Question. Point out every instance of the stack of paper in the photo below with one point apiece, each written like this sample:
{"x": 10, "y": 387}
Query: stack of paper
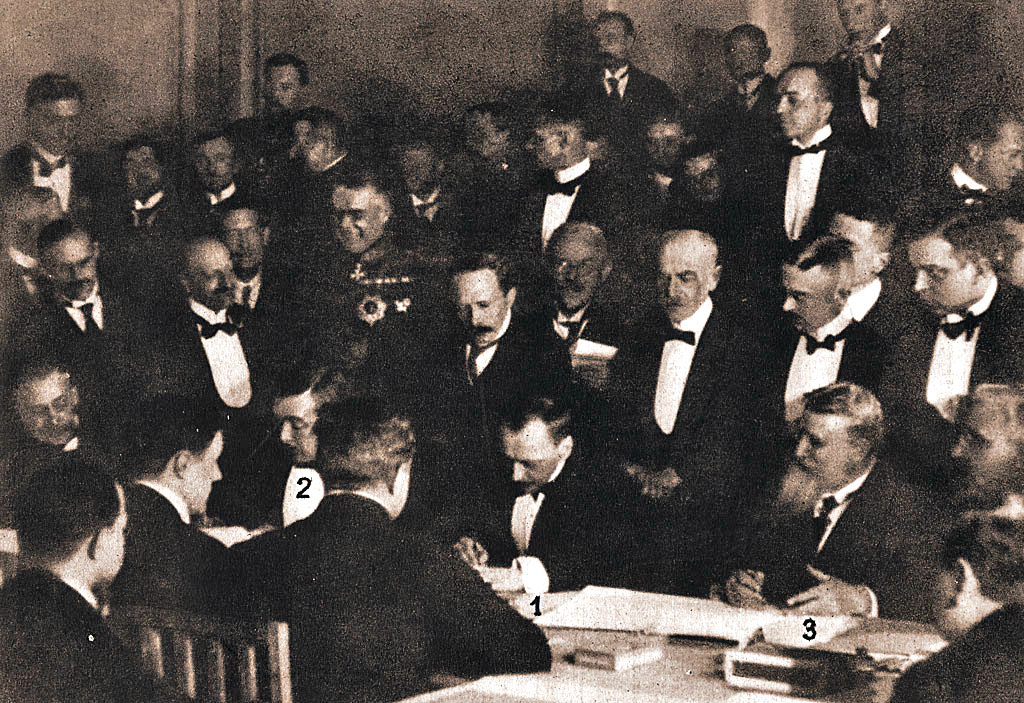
{"x": 599, "y": 608}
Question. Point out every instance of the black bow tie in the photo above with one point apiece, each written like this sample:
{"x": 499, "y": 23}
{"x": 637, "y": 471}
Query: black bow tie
{"x": 682, "y": 335}
{"x": 954, "y": 330}
{"x": 235, "y": 319}
{"x": 528, "y": 489}
{"x": 974, "y": 194}
{"x": 552, "y": 186}
{"x": 829, "y": 342}
{"x": 46, "y": 169}
{"x": 813, "y": 149}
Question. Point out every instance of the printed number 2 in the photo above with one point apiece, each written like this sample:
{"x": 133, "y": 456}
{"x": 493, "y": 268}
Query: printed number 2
{"x": 305, "y": 482}
{"x": 536, "y": 605}
{"x": 811, "y": 632}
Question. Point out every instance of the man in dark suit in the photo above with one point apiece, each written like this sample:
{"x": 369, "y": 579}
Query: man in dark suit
{"x": 616, "y": 98}
{"x": 568, "y": 188}
{"x": 427, "y": 208}
{"x": 743, "y": 121}
{"x": 580, "y": 302}
{"x": 217, "y": 168}
{"x": 989, "y": 156}
{"x": 806, "y": 180}
{"x": 567, "y": 519}
{"x": 47, "y": 425}
{"x": 174, "y": 463}
{"x": 390, "y": 608}
{"x": 682, "y": 388}
{"x": 200, "y": 347}
{"x": 53, "y": 105}
{"x": 147, "y": 223}
{"x": 822, "y": 342}
{"x": 81, "y": 318}
{"x": 881, "y": 101}
{"x": 968, "y": 330}
{"x": 491, "y": 176}
{"x": 70, "y": 523}
{"x": 843, "y": 535}
{"x": 491, "y": 358}
{"x": 328, "y": 161}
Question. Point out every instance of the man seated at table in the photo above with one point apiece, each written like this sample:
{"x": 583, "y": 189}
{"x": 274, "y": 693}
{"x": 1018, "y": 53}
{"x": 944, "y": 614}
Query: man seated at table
{"x": 983, "y": 664}
{"x": 844, "y": 534}
{"x": 564, "y": 520}
{"x": 58, "y": 647}
{"x": 374, "y": 612}
{"x": 167, "y": 558}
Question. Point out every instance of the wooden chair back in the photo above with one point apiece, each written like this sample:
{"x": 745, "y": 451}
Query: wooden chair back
{"x": 210, "y": 660}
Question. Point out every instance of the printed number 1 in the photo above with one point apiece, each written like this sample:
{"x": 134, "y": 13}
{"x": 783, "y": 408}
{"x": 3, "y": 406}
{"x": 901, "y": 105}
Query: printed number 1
{"x": 302, "y": 492}
{"x": 811, "y": 632}
{"x": 536, "y": 605}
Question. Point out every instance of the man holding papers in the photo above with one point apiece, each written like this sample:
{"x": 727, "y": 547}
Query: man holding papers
{"x": 843, "y": 535}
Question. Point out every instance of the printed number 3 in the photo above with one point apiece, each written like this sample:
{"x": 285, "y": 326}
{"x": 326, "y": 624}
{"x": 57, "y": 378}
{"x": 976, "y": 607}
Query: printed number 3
{"x": 811, "y": 632}
{"x": 305, "y": 482}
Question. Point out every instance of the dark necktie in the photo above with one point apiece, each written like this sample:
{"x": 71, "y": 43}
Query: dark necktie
{"x": 829, "y": 342}
{"x": 682, "y": 335}
{"x": 574, "y": 330}
{"x": 974, "y": 195}
{"x": 613, "y": 83}
{"x": 46, "y": 169}
{"x": 423, "y": 209}
{"x": 795, "y": 150}
{"x": 955, "y": 330}
{"x": 821, "y": 522}
{"x": 552, "y": 185}
{"x": 474, "y": 354}
{"x": 90, "y": 324}
{"x": 235, "y": 317}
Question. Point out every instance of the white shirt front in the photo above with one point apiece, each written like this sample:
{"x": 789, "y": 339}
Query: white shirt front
{"x": 863, "y": 299}
{"x": 802, "y": 184}
{"x": 963, "y": 181}
{"x": 558, "y": 205}
{"x": 484, "y": 358}
{"x": 676, "y": 360}
{"x": 74, "y": 309}
{"x": 525, "y": 511}
{"x": 248, "y": 293}
{"x": 227, "y": 359}
{"x": 561, "y": 322}
{"x": 59, "y": 180}
{"x": 622, "y": 76}
{"x": 868, "y": 103}
{"x": 71, "y": 446}
{"x": 302, "y": 494}
{"x": 949, "y": 376}
{"x": 808, "y": 372}
{"x": 151, "y": 201}
{"x": 843, "y": 497}
{"x": 173, "y": 498}
{"x": 218, "y": 198}
{"x": 430, "y": 211}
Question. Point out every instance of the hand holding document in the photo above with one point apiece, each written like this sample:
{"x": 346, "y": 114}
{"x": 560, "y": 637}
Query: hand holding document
{"x": 832, "y": 597}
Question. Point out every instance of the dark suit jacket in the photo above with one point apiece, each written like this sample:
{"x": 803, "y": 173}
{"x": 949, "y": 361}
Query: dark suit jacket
{"x": 602, "y": 200}
{"x": 58, "y": 649}
{"x": 998, "y": 356}
{"x": 166, "y": 562}
{"x": 402, "y": 608}
{"x": 982, "y": 666}
{"x": 622, "y": 121}
{"x": 938, "y": 198}
{"x": 204, "y": 218}
{"x": 585, "y": 531}
{"x": 87, "y": 177}
{"x": 739, "y": 131}
{"x": 889, "y": 538}
{"x": 848, "y": 175}
{"x": 605, "y": 322}
{"x": 714, "y": 446}
{"x": 902, "y": 129}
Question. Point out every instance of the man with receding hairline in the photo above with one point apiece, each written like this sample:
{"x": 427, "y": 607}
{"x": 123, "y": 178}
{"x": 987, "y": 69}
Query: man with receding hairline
{"x": 683, "y": 391}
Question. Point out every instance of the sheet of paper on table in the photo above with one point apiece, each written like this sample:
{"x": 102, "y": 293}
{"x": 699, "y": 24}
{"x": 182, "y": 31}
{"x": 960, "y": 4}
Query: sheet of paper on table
{"x": 600, "y": 608}
{"x": 848, "y": 634}
{"x": 593, "y": 350}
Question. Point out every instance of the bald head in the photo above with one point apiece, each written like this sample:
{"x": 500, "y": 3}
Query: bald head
{"x": 688, "y": 271}
{"x": 207, "y": 273}
{"x": 578, "y": 260}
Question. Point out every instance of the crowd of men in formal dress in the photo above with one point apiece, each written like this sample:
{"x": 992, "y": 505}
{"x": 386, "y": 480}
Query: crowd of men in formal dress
{"x": 771, "y": 354}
